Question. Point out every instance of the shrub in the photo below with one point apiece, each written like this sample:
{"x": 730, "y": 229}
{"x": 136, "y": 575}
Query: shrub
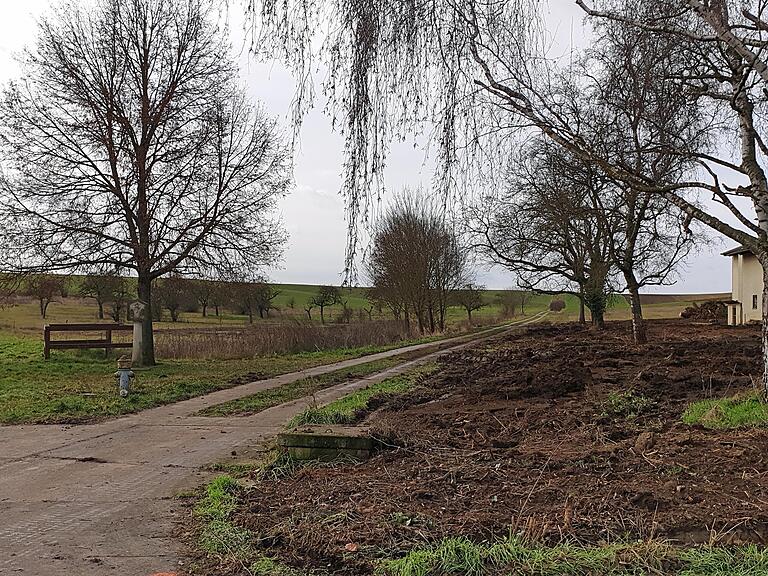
{"x": 557, "y": 305}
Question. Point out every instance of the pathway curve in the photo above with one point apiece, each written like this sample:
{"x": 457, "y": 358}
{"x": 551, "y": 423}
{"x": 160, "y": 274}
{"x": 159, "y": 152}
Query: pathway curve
{"x": 98, "y": 499}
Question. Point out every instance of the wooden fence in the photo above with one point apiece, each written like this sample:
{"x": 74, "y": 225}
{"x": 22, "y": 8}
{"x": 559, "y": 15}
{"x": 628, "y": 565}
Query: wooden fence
{"x": 85, "y": 343}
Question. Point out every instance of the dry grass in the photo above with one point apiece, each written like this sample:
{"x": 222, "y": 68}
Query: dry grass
{"x": 268, "y": 339}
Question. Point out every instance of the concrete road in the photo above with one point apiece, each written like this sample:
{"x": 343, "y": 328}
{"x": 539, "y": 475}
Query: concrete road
{"x": 98, "y": 499}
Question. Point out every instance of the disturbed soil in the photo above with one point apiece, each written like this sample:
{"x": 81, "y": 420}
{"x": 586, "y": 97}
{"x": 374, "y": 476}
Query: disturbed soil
{"x": 556, "y": 431}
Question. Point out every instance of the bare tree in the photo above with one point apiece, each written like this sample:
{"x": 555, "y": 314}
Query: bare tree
{"x": 254, "y": 298}
{"x": 522, "y": 297}
{"x": 220, "y": 295}
{"x": 470, "y": 297}
{"x": 129, "y": 144}
{"x": 326, "y": 296}
{"x": 478, "y": 72}
{"x": 202, "y": 291}
{"x": 549, "y": 227}
{"x": 46, "y": 288}
{"x": 122, "y": 294}
{"x": 415, "y": 262}
{"x": 174, "y": 292}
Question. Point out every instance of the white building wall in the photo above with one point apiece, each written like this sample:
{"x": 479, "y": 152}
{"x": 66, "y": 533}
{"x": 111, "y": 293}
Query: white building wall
{"x": 750, "y": 286}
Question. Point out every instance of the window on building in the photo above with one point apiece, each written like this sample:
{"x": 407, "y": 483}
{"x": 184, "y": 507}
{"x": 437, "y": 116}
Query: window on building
{"x": 754, "y": 302}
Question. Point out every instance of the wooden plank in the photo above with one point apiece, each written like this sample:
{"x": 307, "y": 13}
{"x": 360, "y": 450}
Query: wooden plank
{"x": 63, "y": 344}
{"x": 88, "y": 327}
{"x": 47, "y": 339}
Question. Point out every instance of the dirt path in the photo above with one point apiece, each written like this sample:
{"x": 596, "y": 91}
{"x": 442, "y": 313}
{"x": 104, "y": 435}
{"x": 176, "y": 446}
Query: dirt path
{"x": 98, "y": 499}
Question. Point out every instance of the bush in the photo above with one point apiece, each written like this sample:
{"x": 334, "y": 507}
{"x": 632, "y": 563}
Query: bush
{"x": 557, "y": 305}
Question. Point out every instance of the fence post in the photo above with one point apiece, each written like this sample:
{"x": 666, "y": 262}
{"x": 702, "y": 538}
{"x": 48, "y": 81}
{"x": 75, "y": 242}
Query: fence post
{"x": 47, "y": 340}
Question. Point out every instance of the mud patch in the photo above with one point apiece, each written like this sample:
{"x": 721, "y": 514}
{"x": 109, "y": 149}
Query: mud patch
{"x": 523, "y": 434}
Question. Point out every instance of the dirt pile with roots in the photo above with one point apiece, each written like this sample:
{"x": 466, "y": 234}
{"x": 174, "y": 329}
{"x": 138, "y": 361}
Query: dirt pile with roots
{"x": 559, "y": 431}
{"x": 711, "y": 311}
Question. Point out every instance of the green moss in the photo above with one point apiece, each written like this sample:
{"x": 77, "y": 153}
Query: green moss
{"x": 626, "y": 404}
{"x": 727, "y": 413}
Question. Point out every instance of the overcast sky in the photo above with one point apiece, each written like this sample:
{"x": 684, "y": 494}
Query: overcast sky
{"x": 314, "y": 213}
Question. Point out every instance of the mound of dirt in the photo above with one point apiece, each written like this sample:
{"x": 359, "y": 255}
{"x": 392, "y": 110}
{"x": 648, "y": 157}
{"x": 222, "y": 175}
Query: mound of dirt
{"x": 554, "y": 431}
{"x": 712, "y": 311}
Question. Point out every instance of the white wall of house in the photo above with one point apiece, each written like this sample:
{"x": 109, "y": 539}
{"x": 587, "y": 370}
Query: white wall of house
{"x": 747, "y": 286}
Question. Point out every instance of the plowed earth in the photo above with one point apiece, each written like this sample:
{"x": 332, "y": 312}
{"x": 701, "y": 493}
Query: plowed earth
{"x": 535, "y": 432}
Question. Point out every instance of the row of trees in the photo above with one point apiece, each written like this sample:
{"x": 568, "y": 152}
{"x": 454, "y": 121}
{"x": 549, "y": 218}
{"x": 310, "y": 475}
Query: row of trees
{"x": 175, "y": 294}
{"x": 657, "y": 125}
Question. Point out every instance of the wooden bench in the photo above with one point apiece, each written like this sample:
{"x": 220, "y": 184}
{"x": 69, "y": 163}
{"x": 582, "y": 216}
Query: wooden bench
{"x": 105, "y": 342}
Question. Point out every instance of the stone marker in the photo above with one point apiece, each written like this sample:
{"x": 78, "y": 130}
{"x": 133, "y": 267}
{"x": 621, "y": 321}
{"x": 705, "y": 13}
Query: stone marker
{"x": 139, "y": 311}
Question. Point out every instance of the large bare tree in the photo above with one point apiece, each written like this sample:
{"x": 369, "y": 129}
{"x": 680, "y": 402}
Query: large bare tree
{"x": 473, "y": 74}
{"x": 129, "y": 144}
{"x": 549, "y": 226}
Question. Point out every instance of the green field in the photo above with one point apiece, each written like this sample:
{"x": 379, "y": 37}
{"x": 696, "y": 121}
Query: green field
{"x": 78, "y": 386}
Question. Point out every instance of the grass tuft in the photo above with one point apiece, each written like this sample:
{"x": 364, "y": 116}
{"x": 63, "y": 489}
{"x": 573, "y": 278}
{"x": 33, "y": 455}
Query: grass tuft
{"x": 346, "y": 410}
{"x": 626, "y": 404}
{"x": 727, "y": 413}
{"x": 460, "y": 556}
{"x": 220, "y": 536}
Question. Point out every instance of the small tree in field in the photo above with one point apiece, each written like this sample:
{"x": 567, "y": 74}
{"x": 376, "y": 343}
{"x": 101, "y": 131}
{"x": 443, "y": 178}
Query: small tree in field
{"x": 202, "y": 291}
{"x": 101, "y": 288}
{"x": 46, "y": 288}
{"x": 326, "y": 296}
{"x": 470, "y": 297}
{"x": 308, "y": 307}
{"x": 254, "y": 297}
{"x": 122, "y": 294}
{"x": 173, "y": 293}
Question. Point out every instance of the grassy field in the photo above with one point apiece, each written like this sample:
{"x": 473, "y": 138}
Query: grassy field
{"x": 80, "y": 387}
{"x": 23, "y": 314}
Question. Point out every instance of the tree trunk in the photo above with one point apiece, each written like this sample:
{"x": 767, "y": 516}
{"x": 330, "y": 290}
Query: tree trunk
{"x": 322, "y": 314}
{"x": 101, "y": 310}
{"x": 205, "y": 310}
{"x": 639, "y": 332}
{"x": 43, "y": 308}
{"x": 216, "y": 307}
{"x": 144, "y": 289}
{"x": 598, "y": 318}
{"x": 469, "y": 315}
{"x": 582, "y": 310}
